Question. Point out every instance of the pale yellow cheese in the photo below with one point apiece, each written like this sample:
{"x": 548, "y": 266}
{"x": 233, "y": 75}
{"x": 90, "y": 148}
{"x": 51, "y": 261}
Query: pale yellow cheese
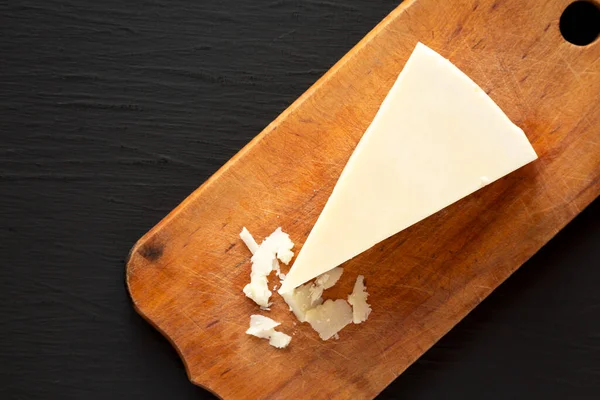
{"x": 436, "y": 138}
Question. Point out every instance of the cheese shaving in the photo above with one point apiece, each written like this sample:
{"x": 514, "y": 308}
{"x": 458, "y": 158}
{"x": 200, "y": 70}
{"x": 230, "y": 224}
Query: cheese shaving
{"x": 264, "y": 328}
{"x": 330, "y": 278}
{"x": 330, "y": 317}
{"x": 358, "y": 299}
{"x": 300, "y": 300}
{"x": 309, "y": 295}
{"x": 324, "y": 282}
{"x": 306, "y": 301}
{"x": 264, "y": 261}
{"x": 279, "y": 340}
{"x": 249, "y": 240}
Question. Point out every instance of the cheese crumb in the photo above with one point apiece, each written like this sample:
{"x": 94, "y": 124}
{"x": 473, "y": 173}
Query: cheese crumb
{"x": 330, "y": 317}
{"x": 358, "y": 300}
{"x": 264, "y": 328}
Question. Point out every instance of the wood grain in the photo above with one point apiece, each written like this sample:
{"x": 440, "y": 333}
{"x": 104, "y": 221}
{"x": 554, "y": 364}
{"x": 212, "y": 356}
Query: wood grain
{"x": 185, "y": 275}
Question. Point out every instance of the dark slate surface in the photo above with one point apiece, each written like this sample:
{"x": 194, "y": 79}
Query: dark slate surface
{"x": 111, "y": 112}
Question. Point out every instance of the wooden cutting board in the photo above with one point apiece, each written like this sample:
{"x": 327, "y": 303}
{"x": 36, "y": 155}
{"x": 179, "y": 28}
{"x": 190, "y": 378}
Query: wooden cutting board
{"x": 185, "y": 276}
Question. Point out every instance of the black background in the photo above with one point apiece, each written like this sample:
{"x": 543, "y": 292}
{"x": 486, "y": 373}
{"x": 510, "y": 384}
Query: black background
{"x": 112, "y": 112}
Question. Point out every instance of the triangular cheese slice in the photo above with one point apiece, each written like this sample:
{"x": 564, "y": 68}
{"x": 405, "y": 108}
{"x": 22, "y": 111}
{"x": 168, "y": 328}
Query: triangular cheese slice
{"x": 436, "y": 138}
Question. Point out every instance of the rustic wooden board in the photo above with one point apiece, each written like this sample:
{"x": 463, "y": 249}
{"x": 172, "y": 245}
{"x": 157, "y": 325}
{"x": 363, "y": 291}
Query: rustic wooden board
{"x": 185, "y": 275}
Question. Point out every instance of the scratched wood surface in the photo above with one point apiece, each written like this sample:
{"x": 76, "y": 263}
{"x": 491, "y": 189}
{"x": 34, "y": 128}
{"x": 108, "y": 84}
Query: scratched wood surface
{"x": 185, "y": 275}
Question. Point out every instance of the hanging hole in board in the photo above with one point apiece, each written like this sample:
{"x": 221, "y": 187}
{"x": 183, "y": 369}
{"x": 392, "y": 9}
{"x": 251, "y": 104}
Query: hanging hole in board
{"x": 580, "y": 23}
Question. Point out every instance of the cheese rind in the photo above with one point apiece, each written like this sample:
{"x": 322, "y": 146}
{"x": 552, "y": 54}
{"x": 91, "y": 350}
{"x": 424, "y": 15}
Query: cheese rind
{"x": 434, "y": 137}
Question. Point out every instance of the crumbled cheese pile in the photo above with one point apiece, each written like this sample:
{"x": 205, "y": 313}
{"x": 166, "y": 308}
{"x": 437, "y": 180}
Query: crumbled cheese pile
{"x": 306, "y": 302}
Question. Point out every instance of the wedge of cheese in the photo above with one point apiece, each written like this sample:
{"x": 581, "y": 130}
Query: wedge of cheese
{"x": 436, "y": 138}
